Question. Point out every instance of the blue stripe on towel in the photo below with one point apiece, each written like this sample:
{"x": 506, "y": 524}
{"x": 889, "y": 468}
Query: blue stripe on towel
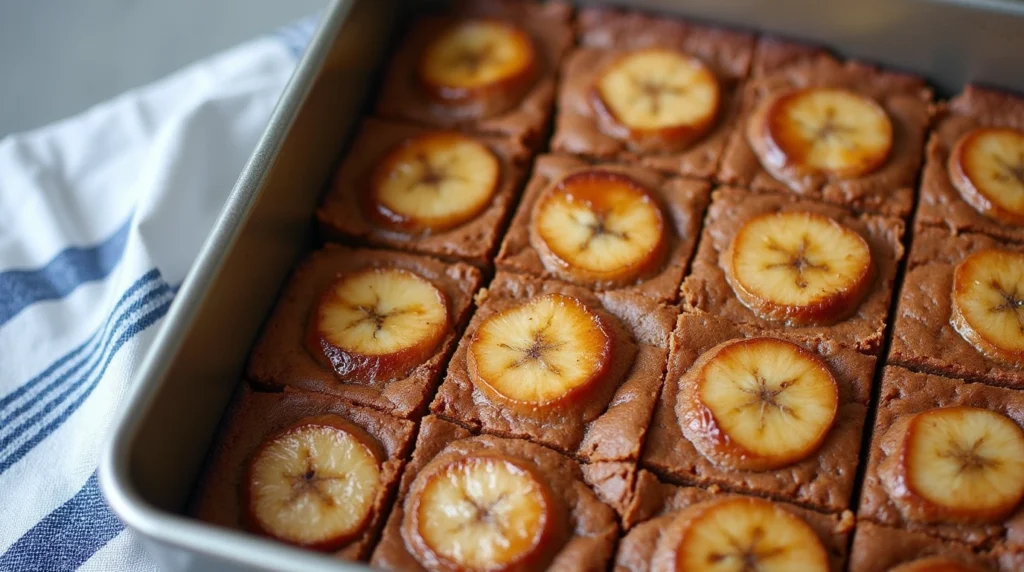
{"x": 68, "y": 536}
{"x": 73, "y": 267}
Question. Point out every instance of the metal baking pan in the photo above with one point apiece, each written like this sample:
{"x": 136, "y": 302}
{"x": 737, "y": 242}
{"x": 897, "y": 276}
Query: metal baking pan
{"x": 183, "y": 386}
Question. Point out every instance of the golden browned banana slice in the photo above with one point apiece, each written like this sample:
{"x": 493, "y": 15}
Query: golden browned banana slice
{"x": 955, "y": 464}
{"x": 433, "y": 182}
{"x": 737, "y": 534}
{"x": 830, "y": 131}
{"x": 935, "y": 564}
{"x": 799, "y": 267}
{"x": 757, "y": 404}
{"x": 377, "y": 324}
{"x": 988, "y": 303}
{"x": 987, "y": 167}
{"x": 480, "y": 513}
{"x": 314, "y": 484}
{"x": 599, "y": 228}
{"x": 549, "y": 351}
{"x": 483, "y": 64}
{"x": 657, "y": 96}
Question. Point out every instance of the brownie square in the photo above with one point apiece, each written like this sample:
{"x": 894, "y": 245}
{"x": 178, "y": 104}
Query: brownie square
{"x": 941, "y": 203}
{"x": 657, "y": 505}
{"x": 253, "y": 417}
{"x": 889, "y": 190}
{"x": 549, "y": 26}
{"x": 280, "y": 358}
{"x": 592, "y": 525}
{"x": 605, "y": 35}
{"x": 707, "y": 289}
{"x": 878, "y": 549}
{"x": 923, "y": 337}
{"x": 682, "y": 201}
{"x": 616, "y": 428}
{"x": 823, "y": 481}
{"x": 344, "y": 216}
{"x": 903, "y": 393}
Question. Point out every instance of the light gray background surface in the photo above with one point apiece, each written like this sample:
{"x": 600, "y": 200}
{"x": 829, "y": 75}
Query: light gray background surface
{"x": 59, "y": 57}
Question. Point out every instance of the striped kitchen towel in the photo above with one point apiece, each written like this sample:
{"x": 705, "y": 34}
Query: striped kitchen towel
{"x": 101, "y": 216}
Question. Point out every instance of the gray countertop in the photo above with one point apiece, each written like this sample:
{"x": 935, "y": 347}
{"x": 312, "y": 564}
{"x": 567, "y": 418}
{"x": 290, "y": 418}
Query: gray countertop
{"x": 59, "y": 57}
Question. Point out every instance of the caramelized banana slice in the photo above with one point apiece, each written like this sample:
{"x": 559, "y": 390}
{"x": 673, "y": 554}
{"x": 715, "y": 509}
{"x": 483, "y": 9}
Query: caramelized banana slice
{"x": 599, "y": 228}
{"x": 434, "y": 182}
{"x": 987, "y": 167}
{"x": 314, "y": 484}
{"x": 757, "y": 404}
{"x": 988, "y": 304}
{"x": 657, "y": 96}
{"x": 481, "y": 64}
{"x": 799, "y": 267}
{"x": 828, "y": 131}
{"x": 377, "y": 324}
{"x": 955, "y": 464}
{"x": 480, "y": 513}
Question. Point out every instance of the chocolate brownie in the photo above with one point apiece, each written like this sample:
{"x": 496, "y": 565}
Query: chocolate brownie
{"x": 878, "y": 549}
{"x": 280, "y": 358}
{"x": 591, "y": 527}
{"x": 824, "y": 480}
{"x": 903, "y": 393}
{"x": 657, "y": 504}
{"x": 605, "y": 35}
{"x": 253, "y": 417}
{"x": 906, "y": 100}
{"x": 707, "y": 289}
{"x": 682, "y": 201}
{"x": 344, "y": 214}
{"x": 922, "y": 336}
{"x": 609, "y": 427}
{"x": 548, "y": 26}
{"x": 941, "y": 203}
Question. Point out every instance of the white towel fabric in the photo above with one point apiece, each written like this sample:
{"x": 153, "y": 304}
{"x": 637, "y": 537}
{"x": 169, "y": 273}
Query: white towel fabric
{"x": 101, "y": 216}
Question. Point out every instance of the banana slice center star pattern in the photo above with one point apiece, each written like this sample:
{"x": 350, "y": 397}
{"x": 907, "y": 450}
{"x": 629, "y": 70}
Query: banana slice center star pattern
{"x": 988, "y": 300}
{"x": 830, "y": 130}
{"x": 741, "y": 535}
{"x": 987, "y": 167}
{"x": 799, "y": 259}
{"x": 313, "y": 484}
{"x": 475, "y": 54}
{"x": 973, "y": 455}
{"x": 657, "y": 89}
{"x": 601, "y": 224}
{"x": 541, "y": 351}
{"x": 435, "y": 182}
{"x": 769, "y": 396}
{"x": 481, "y": 512}
{"x": 381, "y": 312}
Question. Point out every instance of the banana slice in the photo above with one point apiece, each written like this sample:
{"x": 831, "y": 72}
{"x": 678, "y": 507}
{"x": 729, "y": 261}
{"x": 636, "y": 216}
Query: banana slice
{"x": 314, "y": 483}
{"x": 544, "y": 353}
{"x": 487, "y": 64}
{"x": 757, "y": 404}
{"x": 935, "y": 564}
{"x": 599, "y": 228}
{"x": 434, "y": 182}
{"x": 821, "y": 130}
{"x": 377, "y": 324}
{"x": 988, "y": 303}
{"x": 480, "y": 513}
{"x": 987, "y": 167}
{"x": 799, "y": 267}
{"x": 739, "y": 534}
{"x": 955, "y": 464}
{"x": 657, "y": 95}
